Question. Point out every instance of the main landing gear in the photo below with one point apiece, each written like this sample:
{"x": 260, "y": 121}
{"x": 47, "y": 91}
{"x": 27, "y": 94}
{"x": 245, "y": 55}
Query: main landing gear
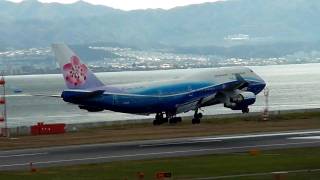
{"x": 160, "y": 119}
{"x": 196, "y": 117}
{"x": 175, "y": 120}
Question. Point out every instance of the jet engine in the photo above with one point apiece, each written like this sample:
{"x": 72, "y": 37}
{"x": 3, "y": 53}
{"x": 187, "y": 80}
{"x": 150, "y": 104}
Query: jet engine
{"x": 240, "y": 101}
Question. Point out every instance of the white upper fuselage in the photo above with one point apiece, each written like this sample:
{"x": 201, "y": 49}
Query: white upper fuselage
{"x": 209, "y": 76}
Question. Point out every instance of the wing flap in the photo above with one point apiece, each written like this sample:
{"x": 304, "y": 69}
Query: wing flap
{"x": 181, "y": 108}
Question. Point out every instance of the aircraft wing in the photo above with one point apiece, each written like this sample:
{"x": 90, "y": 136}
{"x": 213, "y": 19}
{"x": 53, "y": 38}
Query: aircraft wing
{"x": 240, "y": 83}
{"x": 213, "y": 98}
{"x": 181, "y": 108}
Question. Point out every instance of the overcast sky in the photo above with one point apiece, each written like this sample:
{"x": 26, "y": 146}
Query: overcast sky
{"x": 135, "y": 4}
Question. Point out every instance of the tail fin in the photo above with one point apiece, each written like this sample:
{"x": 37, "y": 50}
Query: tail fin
{"x": 76, "y": 74}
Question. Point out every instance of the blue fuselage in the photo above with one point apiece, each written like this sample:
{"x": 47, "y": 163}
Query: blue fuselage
{"x": 167, "y": 95}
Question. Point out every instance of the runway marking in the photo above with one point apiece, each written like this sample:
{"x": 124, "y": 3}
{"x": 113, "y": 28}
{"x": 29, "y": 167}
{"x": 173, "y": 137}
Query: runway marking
{"x": 177, "y": 143}
{"x": 155, "y": 153}
{"x": 220, "y": 138}
{"x": 23, "y": 155}
{"x": 258, "y": 135}
{"x": 305, "y": 138}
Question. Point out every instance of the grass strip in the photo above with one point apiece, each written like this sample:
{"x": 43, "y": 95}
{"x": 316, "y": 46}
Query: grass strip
{"x": 188, "y": 167}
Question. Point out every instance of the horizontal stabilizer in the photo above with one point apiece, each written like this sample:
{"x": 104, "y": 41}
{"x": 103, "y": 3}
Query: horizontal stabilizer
{"x": 46, "y": 95}
{"x": 80, "y": 94}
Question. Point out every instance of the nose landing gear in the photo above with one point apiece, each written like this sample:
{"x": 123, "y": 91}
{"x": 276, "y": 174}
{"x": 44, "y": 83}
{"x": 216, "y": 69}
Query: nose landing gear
{"x": 245, "y": 110}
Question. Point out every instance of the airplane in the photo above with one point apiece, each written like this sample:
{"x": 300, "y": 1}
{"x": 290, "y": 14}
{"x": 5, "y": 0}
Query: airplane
{"x": 234, "y": 87}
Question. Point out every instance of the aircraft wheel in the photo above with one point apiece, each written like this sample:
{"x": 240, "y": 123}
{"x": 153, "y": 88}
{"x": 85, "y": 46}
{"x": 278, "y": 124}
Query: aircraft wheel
{"x": 245, "y": 110}
{"x": 159, "y": 116}
{"x": 179, "y": 119}
{"x": 199, "y": 115}
{"x": 195, "y": 121}
{"x": 198, "y": 121}
{"x": 156, "y": 122}
{"x": 175, "y": 120}
{"x": 197, "y": 118}
{"x": 164, "y": 120}
{"x": 159, "y": 119}
{"x": 172, "y": 120}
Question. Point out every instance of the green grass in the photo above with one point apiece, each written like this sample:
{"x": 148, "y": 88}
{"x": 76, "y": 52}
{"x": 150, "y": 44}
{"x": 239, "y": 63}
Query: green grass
{"x": 187, "y": 167}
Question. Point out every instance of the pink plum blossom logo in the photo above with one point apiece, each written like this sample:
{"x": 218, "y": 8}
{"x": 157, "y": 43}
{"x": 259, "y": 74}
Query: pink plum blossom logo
{"x": 75, "y": 73}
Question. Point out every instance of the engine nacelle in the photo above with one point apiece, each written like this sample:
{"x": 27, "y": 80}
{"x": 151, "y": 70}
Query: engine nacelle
{"x": 241, "y": 100}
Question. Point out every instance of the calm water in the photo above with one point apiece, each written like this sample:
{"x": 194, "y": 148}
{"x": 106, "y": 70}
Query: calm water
{"x": 291, "y": 87}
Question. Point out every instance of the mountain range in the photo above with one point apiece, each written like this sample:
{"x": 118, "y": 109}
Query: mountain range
{"x": 218, "y": 24}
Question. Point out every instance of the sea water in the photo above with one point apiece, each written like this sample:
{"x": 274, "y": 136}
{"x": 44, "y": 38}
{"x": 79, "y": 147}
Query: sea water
{"x": 290, "y": 87}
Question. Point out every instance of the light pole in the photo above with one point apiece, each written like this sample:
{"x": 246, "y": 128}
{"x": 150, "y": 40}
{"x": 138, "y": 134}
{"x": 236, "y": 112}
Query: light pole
{"x": 265, "y": 114}
{"x": 3, "y": 102}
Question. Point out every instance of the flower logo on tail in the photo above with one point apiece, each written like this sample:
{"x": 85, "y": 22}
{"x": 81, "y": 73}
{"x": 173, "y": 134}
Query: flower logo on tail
{"x": 75, "y": 73}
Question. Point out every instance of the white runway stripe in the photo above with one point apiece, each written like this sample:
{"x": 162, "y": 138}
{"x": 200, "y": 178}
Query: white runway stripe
{"x": 177, "y": 143}
{"x": 259, "y": 135}
{"x": 306, "y": 138}
{"x": 23, "y": 155}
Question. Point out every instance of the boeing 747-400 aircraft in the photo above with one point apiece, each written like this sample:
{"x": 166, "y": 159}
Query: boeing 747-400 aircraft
{"x": 234, "y": 87}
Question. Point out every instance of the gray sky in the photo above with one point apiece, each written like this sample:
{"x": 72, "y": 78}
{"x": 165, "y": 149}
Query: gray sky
{"x": 135, "y": 4}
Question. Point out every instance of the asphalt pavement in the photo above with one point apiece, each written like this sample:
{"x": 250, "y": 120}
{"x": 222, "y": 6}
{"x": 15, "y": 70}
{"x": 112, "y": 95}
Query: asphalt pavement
{"x": 150, "y": 149}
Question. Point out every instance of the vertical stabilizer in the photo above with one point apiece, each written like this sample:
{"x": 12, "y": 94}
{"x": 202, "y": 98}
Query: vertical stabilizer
{"x": 76, "y": 75}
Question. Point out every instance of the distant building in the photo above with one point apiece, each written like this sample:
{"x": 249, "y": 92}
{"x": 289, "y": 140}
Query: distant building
{"x": 165, "y": 66}
{"x": 237, "y": 37}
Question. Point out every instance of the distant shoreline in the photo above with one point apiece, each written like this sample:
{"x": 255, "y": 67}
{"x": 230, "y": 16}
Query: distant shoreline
{"x": 57, "y": 71}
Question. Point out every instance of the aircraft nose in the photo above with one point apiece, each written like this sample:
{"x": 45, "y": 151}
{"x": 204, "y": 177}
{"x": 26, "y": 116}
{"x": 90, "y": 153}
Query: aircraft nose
{"x": 262, "y": 85}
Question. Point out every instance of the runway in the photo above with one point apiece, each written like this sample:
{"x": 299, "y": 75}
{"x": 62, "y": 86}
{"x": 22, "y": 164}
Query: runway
{"x": 95, "y": 153}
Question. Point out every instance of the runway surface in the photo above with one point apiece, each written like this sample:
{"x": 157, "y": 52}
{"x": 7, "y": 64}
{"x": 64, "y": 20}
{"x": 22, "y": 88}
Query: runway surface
{"x": 83, "y": 154}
